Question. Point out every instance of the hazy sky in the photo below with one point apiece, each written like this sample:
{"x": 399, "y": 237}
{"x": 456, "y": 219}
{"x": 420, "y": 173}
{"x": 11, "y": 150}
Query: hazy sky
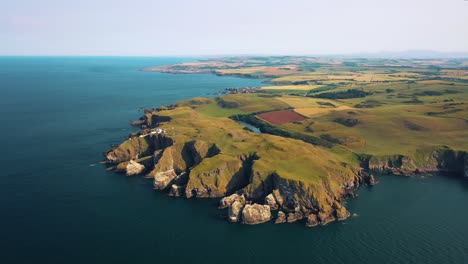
{"x": 204, "y": 27}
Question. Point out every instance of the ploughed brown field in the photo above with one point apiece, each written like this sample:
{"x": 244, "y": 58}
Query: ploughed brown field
{"x": 281, "y": 117}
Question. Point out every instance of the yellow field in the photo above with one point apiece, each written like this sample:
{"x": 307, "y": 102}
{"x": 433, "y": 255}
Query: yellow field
{"x": 311, "y": 112}
{"x": 305, "y": 102}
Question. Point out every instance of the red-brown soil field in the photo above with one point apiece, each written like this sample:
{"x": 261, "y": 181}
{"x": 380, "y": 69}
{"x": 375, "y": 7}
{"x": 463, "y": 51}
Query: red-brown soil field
{"x": 281, "y": 117}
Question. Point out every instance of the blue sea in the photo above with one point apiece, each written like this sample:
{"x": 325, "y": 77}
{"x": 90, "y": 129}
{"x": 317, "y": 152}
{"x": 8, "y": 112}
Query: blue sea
{"x": 58, "y": 204}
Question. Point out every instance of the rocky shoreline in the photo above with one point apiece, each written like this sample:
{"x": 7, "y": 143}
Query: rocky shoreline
{"x": 187, "y": 167}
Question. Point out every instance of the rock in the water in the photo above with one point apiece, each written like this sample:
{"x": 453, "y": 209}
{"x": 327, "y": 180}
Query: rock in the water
{"x": 370, "y": 180}
{"x": 281, "y": 218}
{"x": 312, "y": 220}
{"x": 234, "y": 211}
{"x": 134, "y": 168}
{"x": 225, "y": 202}
{"x": 255, "y": 214}
{"x": 176, "y": 190}
{"x": 271, "y": 201}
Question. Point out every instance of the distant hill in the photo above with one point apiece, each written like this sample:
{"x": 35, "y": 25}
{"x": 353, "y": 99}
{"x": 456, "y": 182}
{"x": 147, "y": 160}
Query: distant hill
{"x": 410, "y": 54}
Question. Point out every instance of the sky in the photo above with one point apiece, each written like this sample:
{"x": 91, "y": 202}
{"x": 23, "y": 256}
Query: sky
{"x": 209, "y": 27}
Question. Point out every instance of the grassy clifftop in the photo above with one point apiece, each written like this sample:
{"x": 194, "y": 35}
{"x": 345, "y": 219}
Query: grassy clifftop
{"x": 307, "y": 159}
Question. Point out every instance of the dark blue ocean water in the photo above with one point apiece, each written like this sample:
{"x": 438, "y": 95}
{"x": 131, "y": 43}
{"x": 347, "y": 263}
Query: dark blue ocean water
{"x": 59, "y": 205}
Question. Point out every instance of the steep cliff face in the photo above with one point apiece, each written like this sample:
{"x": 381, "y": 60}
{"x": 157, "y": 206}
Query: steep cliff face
{"x": 168, "y": 162}
{"x": 152, "y": 119}
{"x": 299, "y": 199}
{"x": 130, "y": 149}
{"x": 216, "y": 177}
{"x": 424, "y": 160}
{"x": 138, "y": 147}
{"x": 171, "y": 165}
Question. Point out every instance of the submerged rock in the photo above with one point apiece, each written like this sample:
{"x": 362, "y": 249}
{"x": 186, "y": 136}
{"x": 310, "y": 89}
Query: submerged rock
{"x": 256, "y": 214}
{"x": 235, "y": 210}
{"x": 281, "y": 218}
{"x": 134, "y": 168}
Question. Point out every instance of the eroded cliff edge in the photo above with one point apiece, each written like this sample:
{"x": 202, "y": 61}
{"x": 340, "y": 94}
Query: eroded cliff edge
{"x": 191, "y": 154}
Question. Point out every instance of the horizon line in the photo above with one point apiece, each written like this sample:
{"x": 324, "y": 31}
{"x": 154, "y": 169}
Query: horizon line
{"x": 378, "y": 54}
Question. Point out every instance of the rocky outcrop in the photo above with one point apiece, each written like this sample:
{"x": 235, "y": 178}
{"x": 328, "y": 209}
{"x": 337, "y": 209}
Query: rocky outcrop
{"x": 134, "y": 168}
{"x": 298, "y": 199}
{"x": 130, "y": 149}
{"x": 298, "y": 214}
{"x": 278, "y": 198}
{"x": 325, "y": 218}
{"x": 153, "y": 119}
{"x": 170, "y": 167}
{"x": 228, "y": 200}
{"x": 138, "y": 123}
{"x": 312, "y": 220}
{"x": 253, "y": 214}
{"x": 162, "y": 180}
{"x": 235, "y": 210}
{"x": 137, "y": 147}
{"x": 293, "y": 217}
{"x": 370, "y": 179}
{"x": 270, "y": 200}
{"x": 340, "y": 212}
{"x": 280, "y": 218}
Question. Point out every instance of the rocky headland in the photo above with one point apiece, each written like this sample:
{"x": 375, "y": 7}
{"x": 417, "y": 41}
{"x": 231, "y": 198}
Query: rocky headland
{"x": 259, "y": 177}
